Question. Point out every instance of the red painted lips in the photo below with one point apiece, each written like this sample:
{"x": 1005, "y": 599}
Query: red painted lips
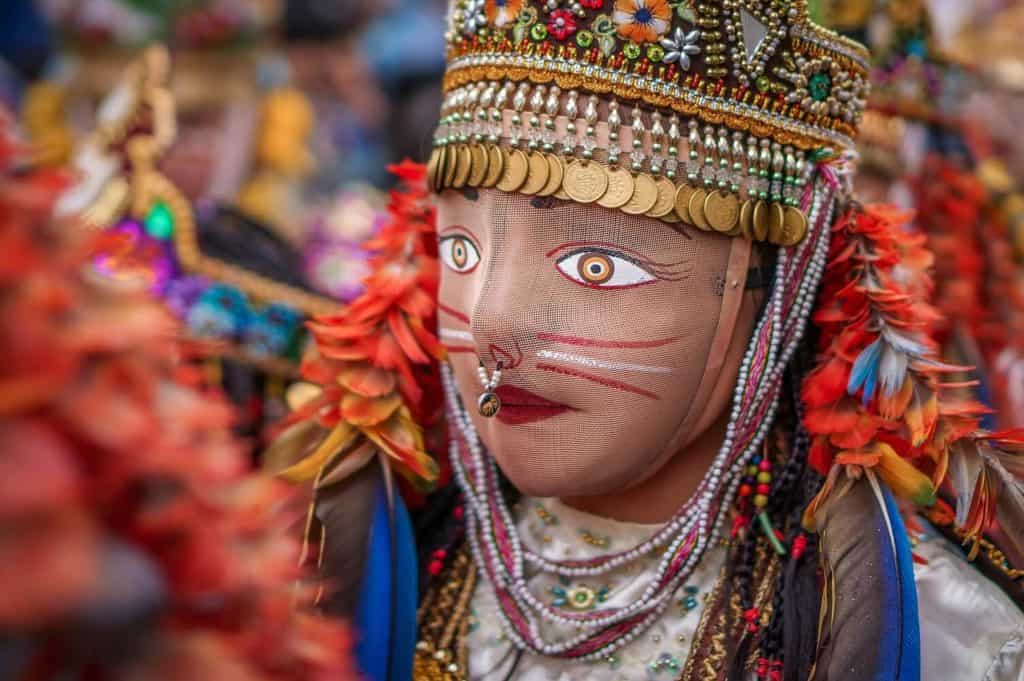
{"x": 519, "y": 406}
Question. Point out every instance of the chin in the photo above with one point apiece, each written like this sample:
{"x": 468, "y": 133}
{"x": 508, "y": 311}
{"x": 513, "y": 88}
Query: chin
{"x": 545, "y": 474}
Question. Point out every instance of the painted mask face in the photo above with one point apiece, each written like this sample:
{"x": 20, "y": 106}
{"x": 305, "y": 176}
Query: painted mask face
{"x": 617, "y": 334}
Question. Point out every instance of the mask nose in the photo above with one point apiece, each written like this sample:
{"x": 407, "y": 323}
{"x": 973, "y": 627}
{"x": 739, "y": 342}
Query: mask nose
{"x": 509, "y": 355}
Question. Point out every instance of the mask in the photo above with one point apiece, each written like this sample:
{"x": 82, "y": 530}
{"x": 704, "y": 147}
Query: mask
{"x": 619, "y": 336}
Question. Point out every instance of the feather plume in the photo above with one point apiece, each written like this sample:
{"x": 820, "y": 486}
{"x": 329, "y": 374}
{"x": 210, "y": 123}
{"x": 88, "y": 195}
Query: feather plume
{"x": 869, "y": 626}
{"x": 373, "y": 358}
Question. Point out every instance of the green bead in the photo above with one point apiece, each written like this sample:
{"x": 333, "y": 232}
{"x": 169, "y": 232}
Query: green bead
{"x": 819, "y": 86}
{"x": 655, "y": 52}
{"x": 690, "y": 603}
{"x": 160, "y": 222}
{"x": 751, "y": 470}
{"x": 631, "y": 50}
{"x": 763, "y": 84}
{"x": 584, "y": 39}
{"x": 539, "y": 32}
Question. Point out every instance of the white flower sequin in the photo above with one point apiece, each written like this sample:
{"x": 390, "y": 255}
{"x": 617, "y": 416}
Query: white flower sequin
{"x": 680, "y": 47}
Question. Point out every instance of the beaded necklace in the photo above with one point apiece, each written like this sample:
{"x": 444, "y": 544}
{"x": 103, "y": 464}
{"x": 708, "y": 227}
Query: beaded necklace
{"x": 498, "y": 550}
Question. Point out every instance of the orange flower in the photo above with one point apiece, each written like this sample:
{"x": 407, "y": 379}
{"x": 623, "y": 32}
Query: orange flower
{"x": 642, "y": 21}
{"x": 501, "y": 13}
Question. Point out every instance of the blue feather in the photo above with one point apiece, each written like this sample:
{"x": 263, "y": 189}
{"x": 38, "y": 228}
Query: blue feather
{"x": 386, "y": 616}
{"x": 900, "y": 640}
{"x": 865, "y": 371}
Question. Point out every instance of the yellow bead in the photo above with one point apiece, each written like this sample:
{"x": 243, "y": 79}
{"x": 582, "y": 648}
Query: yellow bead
{"x": 764, "y": 477}
{"x": 760, "y": 500}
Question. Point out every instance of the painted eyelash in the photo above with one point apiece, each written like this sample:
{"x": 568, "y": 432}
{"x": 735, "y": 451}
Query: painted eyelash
{"x": 663, "y": 271}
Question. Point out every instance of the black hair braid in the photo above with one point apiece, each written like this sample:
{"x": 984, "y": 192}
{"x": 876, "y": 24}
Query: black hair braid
{"x": 438, "y": 528}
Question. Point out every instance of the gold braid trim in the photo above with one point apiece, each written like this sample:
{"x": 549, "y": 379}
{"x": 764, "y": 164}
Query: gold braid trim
{"x": 443, "y": 620}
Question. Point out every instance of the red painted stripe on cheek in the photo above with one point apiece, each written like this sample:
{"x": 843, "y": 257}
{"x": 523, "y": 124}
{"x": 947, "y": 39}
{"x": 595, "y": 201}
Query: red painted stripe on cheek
{"x": 592, "y": 343}
{"x": 453, "y": 312}
{"x": 607, "y": 382}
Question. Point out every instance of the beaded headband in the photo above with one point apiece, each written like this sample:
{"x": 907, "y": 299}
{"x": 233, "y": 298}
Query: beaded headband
{"x": 707, "y": 110}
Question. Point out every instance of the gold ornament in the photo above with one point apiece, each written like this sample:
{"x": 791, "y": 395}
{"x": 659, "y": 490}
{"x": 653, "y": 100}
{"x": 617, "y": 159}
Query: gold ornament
{"x": 620, "y": 188}
{"x": 585, "y": 181}
{"x": 645, "y": 195}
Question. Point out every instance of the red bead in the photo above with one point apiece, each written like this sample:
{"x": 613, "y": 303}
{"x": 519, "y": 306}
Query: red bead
{"x": 458, "y": 512}
{"x": 799, "y": 546}
{"x": 765, "y": 465}
{"x": 435, "y": 567}
{"x": 746, "y": 490}
{"x": 764, "y": 488}
{"x": 439, "y": 554}
{"x": 751, "y": 614}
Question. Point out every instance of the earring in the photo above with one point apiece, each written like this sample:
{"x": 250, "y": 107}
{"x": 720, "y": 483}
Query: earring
{"x": 489, "y": 403}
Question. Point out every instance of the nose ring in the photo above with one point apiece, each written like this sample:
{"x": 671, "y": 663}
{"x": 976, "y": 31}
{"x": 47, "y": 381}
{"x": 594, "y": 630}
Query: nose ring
{"x": 489, "y": 403}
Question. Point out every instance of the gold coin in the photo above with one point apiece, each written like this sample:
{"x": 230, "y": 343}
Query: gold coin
{"x": 683, "y": 194}
{"x": 620, "y": 188}
{"x": 478, "y": 167}
{"x": 463, "y": 162}
{"x": 537, "y": 176}
{"x": 556, "y": 172}
{"x": 722, "y": 210}
{"x": 645, "y": 195}
{"x": 794, "y": 227}
{"x": 585, "y": 181}
{"x": 760, "y": 218}
{"x": 495, "y": 166}
{"x": 746, "y": 224}
{"x": 666, "y": 202}
{"x": 776, "y": 220}
{"x": 671, "y": 218}
{"x": 442, "y": 168}
{"x": 450, "y": 162}
{"x": 561, "y": 194}
{"x": 516, "y": 168}
{"x": 435, "y": 156}
{"x": 696, "y": 206}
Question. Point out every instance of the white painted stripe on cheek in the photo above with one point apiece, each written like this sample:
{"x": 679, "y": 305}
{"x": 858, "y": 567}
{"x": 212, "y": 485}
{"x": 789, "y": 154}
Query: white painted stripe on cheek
{"x": 456, "y": 334}
{"x": 598, "y": 363}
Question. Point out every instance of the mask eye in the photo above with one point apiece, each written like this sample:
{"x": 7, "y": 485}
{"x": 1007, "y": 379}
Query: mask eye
{"x": 459, "y": 253}
{"x": 600, "y": 268}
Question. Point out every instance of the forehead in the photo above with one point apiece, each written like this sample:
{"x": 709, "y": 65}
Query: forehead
{"x": 492, "y": 214}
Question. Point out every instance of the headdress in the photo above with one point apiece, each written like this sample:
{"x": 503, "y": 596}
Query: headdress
{"x": 714, "y": 110}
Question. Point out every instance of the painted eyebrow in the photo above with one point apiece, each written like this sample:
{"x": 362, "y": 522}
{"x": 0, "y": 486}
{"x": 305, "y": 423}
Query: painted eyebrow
{"x": 455, "y": 228}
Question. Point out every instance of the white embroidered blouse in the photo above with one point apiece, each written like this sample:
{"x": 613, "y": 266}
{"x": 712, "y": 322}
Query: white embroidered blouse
{"x": 970, "y": 630}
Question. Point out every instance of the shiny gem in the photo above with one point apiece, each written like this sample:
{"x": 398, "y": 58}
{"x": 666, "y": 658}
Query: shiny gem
{"x": 538, "y": 32}
{"x": 819, "y": 86}
{"x": 160, "y": 222}
{"x": 631, "y": 50}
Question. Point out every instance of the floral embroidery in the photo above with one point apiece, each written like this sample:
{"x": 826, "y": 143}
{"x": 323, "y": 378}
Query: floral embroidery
{"x": 561, "y": 24}
{"x": 502, "y": 13}
{"x": 642, "y": 21}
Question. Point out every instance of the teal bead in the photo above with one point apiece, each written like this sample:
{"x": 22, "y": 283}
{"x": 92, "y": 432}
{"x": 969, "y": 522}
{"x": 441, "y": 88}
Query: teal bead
{"x": 160, "y": 222}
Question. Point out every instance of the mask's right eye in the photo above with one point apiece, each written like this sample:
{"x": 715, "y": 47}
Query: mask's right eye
{"x": 459, "y": 253}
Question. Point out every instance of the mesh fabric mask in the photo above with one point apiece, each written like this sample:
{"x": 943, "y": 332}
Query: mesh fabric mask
{"x": 604, "y": 324}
